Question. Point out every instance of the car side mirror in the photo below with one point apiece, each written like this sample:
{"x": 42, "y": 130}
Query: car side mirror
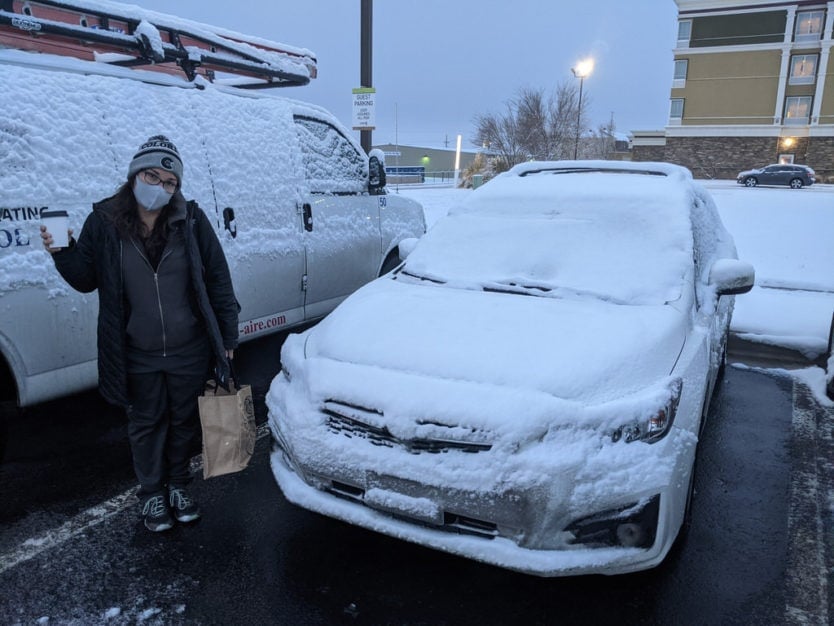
{"x": 406, "y": 246}
{"x": 731, "y": 277}
{"x": 376, "y": 176}
{"x": 229, "y": 220}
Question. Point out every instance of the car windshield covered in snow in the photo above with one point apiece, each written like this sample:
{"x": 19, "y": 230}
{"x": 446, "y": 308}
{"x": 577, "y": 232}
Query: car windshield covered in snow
{"x": 553, "y": 235}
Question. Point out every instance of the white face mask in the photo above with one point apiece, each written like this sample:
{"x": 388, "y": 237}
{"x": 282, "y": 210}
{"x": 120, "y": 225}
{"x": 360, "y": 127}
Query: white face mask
{"x": 151, "y": 197}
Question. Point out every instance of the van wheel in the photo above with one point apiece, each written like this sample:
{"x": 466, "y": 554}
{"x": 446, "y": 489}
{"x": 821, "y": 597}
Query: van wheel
{"x": 750, "y": 182}
{"x": 8, "y": 410}
{"x": 391, "y": 261}
{"x": 796, "y": 183}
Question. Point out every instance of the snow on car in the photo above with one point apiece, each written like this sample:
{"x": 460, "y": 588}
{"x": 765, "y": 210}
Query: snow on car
{"x": 528, "y": 388}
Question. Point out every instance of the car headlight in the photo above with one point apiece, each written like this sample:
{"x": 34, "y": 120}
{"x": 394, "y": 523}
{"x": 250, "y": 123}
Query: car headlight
{"x": 656, "y": 425}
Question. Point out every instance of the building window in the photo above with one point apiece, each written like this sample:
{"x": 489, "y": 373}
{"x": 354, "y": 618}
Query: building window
{"x": 803, "y": 69}
{"x": 808, "y": 25}
{"x": 684, "y": 33}
{"x": 785, "y": 159}
{"x": 679, "y": 80}
{"x": 676, "y": 110}
{"x": 797, "y": 109}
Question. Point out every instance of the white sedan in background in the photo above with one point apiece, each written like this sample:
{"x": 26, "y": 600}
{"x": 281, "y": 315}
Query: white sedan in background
{"x": 528, "y": 388}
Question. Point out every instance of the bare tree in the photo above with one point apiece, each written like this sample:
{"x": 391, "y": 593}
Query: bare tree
{"x": 534, "y": 125}
{"x": 500, "y": 134}
{"x": 603, "y": 141}
{"x": 564, "y": 120}
{"x": 533, "y": 114}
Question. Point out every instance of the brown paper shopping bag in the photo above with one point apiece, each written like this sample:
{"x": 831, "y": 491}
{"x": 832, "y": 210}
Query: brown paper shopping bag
{"x": 227, "y": 419}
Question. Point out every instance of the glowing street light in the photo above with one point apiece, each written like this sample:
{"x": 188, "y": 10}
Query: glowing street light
{"x": 582, "y": 70}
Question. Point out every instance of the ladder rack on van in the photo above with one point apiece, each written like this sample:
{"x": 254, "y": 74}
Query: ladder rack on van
{"x": 124, "y": 35}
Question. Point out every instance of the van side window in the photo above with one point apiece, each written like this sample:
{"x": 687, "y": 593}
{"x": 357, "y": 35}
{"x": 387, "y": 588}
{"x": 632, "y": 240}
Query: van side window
{"x": 331, "y": 163}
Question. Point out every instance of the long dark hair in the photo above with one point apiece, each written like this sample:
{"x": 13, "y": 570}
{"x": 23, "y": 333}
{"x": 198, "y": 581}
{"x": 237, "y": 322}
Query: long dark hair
{"x": 126, "y": 219}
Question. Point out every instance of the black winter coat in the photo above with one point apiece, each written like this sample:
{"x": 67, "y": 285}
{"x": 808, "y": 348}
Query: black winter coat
{"x": 94, "y": 261}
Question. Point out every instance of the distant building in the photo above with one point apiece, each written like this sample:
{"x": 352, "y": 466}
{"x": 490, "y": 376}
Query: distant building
{"x": 752, "y": 85}
{"x": 432, "y": 159}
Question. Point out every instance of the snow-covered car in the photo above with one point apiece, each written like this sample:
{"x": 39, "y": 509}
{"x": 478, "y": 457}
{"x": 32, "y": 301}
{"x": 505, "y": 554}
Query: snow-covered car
{"x": 792, "y": 175}
{"x": 528, "y": 388}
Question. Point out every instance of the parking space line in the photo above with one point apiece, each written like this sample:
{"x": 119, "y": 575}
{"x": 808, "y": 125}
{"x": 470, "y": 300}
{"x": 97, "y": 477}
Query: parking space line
{"x": 83, "y": 521}
{"x": 806, "y": 598}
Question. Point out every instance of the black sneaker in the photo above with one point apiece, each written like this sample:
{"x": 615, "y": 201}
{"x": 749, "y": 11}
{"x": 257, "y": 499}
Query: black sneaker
{"x": 157, "y": 516}
{"x": 184, "y": 507}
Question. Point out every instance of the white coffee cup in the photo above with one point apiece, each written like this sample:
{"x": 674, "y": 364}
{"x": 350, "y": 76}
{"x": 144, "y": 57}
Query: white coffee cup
{"x": 57, "y": 224}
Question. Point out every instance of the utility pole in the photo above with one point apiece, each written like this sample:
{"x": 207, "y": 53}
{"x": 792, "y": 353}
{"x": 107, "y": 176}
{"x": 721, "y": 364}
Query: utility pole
{"x": 366, "y": 62}
{"x": 581, "y": 71}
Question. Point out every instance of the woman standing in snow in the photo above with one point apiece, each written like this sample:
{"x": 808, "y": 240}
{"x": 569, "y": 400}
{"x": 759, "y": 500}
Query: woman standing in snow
{"x": 167, "y": 311}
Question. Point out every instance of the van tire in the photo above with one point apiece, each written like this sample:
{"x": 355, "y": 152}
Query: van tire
{"x": 8, "y": 410}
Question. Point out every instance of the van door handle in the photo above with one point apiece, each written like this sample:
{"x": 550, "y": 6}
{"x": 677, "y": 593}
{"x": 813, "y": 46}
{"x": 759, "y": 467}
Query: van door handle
{"x": 229, "y": 220}
{"x": 308, "y": 216}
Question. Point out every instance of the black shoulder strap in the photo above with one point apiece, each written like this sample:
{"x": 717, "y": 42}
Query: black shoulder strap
{"x": 191, "y": 219}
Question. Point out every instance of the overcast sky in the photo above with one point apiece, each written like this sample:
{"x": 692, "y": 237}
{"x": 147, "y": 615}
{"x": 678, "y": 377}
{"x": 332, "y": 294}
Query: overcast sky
{"x": 439, "y": 63}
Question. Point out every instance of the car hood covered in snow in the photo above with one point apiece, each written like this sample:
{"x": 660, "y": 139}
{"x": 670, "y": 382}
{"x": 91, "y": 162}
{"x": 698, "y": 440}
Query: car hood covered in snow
{"x": 574, "y": 349}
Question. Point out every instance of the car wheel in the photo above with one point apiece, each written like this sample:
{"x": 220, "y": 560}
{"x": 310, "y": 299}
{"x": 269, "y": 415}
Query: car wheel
{"x": 750, "y": 182}
{"x": 796, "y": 183}
{"x": 686, "y": 525}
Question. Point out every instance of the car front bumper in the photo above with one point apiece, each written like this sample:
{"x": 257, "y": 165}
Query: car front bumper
{"x": 462, "y": 537}
{"x": 519, "y": 519}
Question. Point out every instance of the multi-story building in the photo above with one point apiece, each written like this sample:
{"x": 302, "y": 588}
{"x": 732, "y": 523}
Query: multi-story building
{"x": 753, "y": 84}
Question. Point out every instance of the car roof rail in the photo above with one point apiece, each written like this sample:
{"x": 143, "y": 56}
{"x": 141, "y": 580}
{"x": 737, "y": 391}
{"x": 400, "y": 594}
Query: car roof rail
{"x": 128, "y": 36}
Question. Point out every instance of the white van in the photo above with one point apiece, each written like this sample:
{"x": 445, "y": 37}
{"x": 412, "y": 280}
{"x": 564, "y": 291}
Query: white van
{"x": 283, "y": 181}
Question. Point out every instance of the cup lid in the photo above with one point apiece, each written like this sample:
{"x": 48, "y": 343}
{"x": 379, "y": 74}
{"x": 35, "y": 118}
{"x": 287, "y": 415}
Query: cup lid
{"x": 53, "y": 213}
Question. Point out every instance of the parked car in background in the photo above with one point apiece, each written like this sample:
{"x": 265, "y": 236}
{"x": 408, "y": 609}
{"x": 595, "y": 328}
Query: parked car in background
{"x": 792, "y": 175}
{"x": 528, "y": 388}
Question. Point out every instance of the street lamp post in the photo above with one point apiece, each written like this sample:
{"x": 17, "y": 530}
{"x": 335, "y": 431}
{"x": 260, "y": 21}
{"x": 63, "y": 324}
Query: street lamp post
{"x": 582, "y": 70}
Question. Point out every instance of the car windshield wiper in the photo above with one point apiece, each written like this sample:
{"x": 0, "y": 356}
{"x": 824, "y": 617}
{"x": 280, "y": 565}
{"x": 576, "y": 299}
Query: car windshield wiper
{"x": 548, "y": 291}
{"x": 436, "y": 281}
{"x": 515, "y": 288}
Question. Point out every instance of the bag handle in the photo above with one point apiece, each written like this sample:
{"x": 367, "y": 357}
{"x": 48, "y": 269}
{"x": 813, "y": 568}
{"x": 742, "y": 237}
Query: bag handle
{"x": 233, "y": 374}
{"x": 222, "y": 381}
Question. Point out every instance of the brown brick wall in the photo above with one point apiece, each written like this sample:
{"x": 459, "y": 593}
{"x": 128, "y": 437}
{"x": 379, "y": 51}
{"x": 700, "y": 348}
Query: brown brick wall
{"x": 725, "y": 157}
{"x": 821, "y": 158}
{"x": 648, "y": 153}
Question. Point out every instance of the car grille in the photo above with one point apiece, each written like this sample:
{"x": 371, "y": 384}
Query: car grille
{"x": 451, "y": 522}
{"x": 354, "y": 421}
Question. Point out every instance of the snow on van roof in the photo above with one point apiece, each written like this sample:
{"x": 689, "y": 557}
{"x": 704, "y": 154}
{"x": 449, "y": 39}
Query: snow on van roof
{"x": 71, "y": 128}
{"x": 166, "y": 20}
